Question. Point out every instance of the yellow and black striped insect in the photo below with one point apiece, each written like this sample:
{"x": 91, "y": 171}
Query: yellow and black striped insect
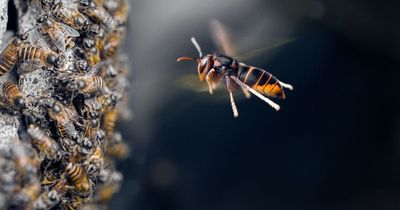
{"x": 109, "y": 121}
{"x": 70, "y": 15}
{"x": 95, "y": 161}
{"x": 92, "y": 130}
{"x": 97, "y": 13}
{"x": 44, "y": 57}
{"x": 75, "y": 203}
{"x": 61, "y": 117}
{"x": 8, "y": 56}
{"x": 89, "y": 82}
{"x": 13, "y": 95}
{"x": 93, "y": 107}
{"x": 60, "y": 34}
{"x": 216, "y": 67}
{"x": 77, "y": 175}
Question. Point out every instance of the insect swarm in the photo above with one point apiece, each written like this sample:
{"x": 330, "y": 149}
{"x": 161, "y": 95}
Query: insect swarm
{"x": 217, "y": 67}
{"x": 56, "y": 82}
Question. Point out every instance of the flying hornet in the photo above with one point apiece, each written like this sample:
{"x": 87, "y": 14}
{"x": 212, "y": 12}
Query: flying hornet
{"x": 215, "y": 67}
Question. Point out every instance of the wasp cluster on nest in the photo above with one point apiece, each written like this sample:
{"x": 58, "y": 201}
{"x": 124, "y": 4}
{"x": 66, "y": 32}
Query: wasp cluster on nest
{"x": 63, "y": 82}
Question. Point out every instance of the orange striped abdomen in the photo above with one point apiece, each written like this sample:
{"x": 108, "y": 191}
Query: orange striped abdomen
{"x": 64, "y": 14}
{"x": 70, "y": 16}
{"x": 8, "y": 58}
{"x": 31, "y": 54}
{"x": 78, "y": 177}
{"x": 42, "y": 56}
{"x": 11, "y": 92}
{"x": 92, "y": 84}
{"x": 261, "y": 80}
{"x": 109, "y": 121}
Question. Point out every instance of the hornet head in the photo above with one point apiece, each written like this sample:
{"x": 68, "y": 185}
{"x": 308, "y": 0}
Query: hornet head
{"x": 203, "y": 62}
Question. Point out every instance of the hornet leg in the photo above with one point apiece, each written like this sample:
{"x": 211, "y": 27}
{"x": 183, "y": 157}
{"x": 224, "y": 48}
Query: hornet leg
{"x": 209, "y": 82}
{"x": 267, "y": 100}
{"x": 233, "y": 104}
{"x": 287, "y": 86}
{"x": 246, "y": 92}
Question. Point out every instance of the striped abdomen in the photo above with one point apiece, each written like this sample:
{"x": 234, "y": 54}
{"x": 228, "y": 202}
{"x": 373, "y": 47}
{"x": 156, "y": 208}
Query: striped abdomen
{"x": 60, "y": 12}
{"x": 61, "y": 120}
{"x": 61, "y": 130}
{"x": 35, "y": 54}
{"x": 68, "y": 15}
{"x": 260, "y": 80}
{"x": 78, "y": 176}
{"x": 92, "y": 84}
{"x": 30, "y": 54}
{"x": 99, "y": 14}
{"x": 75, "y": 203}
{"x": 8, "y": 58}
{"x": 110, "y": 119}
{"x": 12, "y": 93}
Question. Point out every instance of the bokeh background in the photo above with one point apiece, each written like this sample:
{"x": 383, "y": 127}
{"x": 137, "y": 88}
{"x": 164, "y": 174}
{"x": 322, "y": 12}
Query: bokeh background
{"x": 335, "y": 144}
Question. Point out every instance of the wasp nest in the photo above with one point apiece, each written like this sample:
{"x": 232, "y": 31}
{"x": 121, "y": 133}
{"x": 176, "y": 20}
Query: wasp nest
{"x": 63, "y": 82}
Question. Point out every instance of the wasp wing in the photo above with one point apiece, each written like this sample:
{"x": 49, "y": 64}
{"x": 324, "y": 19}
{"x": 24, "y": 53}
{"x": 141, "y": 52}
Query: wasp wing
{"x": 58, "y": 38}
{"x": 37, "y": 39}
{"x": 59, "y": 33}
{"x": 67, "y": 9}
{"x": 253, "y": 53}
{"x": 191, "y": 82}
{"x": 68, "y": 31}
{"x": 222, "y": 38}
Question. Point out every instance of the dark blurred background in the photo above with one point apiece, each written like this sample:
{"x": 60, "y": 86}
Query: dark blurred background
{"x": 335, "y": 144}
